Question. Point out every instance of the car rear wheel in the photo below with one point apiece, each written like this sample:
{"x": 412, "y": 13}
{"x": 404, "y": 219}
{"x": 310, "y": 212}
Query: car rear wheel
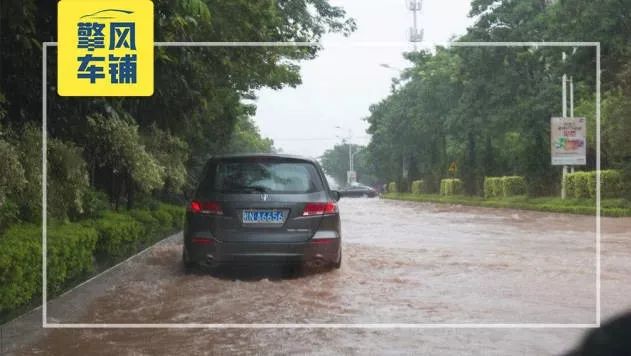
{"x": 338, "y": 264}
{"x": 189, "y": 267}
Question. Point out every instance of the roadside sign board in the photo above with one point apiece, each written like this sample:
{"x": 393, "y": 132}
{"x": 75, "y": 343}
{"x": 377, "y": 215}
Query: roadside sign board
{"x": 105, "y": 48}
{"x": 568, "y": 141}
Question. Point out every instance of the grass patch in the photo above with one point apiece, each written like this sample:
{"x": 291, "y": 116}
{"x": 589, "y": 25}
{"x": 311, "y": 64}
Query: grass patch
{"x": 609, "y": 207}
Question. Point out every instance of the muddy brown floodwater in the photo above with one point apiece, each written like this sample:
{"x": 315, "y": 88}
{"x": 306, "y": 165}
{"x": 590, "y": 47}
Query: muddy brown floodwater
{"x": 403, "y": 263}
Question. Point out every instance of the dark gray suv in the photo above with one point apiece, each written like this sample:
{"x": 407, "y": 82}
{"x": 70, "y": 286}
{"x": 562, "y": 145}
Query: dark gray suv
{"x": 262, "y": 208}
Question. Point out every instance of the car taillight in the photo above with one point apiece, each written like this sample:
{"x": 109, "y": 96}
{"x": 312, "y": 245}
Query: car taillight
{"x": 319, "y": 209}
{"x": 202, "y": 241}
{"x": 209, "y": 207}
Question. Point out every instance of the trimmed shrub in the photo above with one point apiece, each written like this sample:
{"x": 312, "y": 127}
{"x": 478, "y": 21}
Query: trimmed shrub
{"x": 20, "y": 265}
{"x": 583, "y": 184}
{"x": 513, "y": 185}
{"x": 611, "y": 185}
{"x": 417, "y": 187}
{"x": 392, "y": 187}
{"x": 165, "y": 221}
{"x": 119, "y": 235}
{"x": 150, "y": 225}
{"x": 451, "y": 186}
{"x": 177, "y": 214}
{"x": 570, "y": 184}
{"x": 580, "y": 185}
{"x": 493, "y": 187}
{"x": 70, "y": 249}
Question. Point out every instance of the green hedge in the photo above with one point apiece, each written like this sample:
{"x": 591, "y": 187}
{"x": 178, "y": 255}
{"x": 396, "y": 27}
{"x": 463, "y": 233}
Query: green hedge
{"x": 392, "y": 187}
{"x": 72, "y": 249}
{"x": 418, "y": 187}
{"x": 500, "y": 187}
{"x": 20, "y": 265}
{"x": 513, "y": 185}
{"x": 151, "y": 226}
{"x": 177, "y": 214}
{"x": 165, "y": 219}
{"x": 70, "y": 253}
{"x": 583, "y": 184}
{"x": 119, "y": 235}
{"x": 450, "y": 187}
{"x": 493, "y": 187}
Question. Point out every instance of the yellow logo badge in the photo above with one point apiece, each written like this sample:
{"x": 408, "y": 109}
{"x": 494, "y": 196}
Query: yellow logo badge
{"x": 105, "y": 48}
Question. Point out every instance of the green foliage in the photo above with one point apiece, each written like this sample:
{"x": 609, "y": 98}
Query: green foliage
{"x": 335, "y": 163}
{"x": 117, "y": 145}
{"x": 418, "y": 187}
{"x": 577, "y": 185}
{"x": 612, "y": 184}
{"x": 488, "y": 108}
{"x": 29, "y": 146}
{"x": 246, "y": 138}
{"x": 392, "y": 187}
{"x": 67, "y": 180}
{"x": 119, "y": 235}
{"x": 165, "y": 219}
{"x": 177, "y": 214}
{"x": 12, "y": 182}
{"x": 493, "y": 187}
{"x": 513, "y": 185}
{"x": 570, "y": 184}
{"x": 73, "y": 249}
{"x": 583, "y": 184}
{"x": 70, "y": 250}
{"x": 451, "y": 187}
{"x": 171, "y": 152}
{"x": 610, "y": 207}
{"x": 20, "y": 265}
{"x": 497, "y": 187}
{"x": 150, "y": 225}
{"x": 94, "y": 203}
{"x": 155, "y": 145}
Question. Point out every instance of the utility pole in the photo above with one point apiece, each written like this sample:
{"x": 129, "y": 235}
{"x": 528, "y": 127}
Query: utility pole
{"x": 350, "y": 174}
{"x": 564, "y": 114}
{"x": 572, "y": 104}
{"x": 564, "y": 106}
{"x": 416, "y": 35}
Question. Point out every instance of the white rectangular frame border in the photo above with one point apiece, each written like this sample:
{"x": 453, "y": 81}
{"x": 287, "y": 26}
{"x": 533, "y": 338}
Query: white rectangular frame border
{"x": 45, "y": 324}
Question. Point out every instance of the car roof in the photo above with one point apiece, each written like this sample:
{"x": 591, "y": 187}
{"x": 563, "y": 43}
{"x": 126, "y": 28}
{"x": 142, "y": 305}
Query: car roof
{"x": 262, "y": 155}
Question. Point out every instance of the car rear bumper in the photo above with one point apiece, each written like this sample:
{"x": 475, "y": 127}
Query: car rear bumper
{"x": 214, "y": 252}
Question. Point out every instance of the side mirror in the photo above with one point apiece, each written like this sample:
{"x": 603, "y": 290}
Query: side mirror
{"x": 336, "y": 195}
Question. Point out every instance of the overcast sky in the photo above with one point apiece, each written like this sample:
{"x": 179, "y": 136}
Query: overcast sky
{"x": 340, "y": 85}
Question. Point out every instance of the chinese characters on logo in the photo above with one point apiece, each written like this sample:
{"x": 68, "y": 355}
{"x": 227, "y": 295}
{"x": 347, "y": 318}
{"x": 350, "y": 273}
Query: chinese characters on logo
{"x": 105, "y": 48}
{"x": 120, "y": 69}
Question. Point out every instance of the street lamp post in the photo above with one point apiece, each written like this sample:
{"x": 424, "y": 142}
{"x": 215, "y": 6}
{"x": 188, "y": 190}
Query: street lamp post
{"x": 350, "y": 175}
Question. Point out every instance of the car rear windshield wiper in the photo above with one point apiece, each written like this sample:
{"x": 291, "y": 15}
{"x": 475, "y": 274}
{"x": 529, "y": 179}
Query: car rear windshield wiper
{"x": 244, "y": 189}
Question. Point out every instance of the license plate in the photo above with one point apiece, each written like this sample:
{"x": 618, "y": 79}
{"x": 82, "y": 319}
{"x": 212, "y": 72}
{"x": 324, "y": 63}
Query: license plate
{"x": 263, "y": 217}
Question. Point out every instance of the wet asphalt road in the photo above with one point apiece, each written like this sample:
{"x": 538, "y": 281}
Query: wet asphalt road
{"x": 403, "y": 263}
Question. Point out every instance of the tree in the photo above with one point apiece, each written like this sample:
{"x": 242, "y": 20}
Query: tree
{"x": 335, "y": 163}
{"x": 157, "y": 145}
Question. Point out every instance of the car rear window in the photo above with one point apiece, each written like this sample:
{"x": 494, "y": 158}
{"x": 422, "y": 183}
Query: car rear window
{"x": 257, "y": 176}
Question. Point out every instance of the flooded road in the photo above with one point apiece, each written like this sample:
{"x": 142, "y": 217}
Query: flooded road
{"x": 403, "y": 262}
